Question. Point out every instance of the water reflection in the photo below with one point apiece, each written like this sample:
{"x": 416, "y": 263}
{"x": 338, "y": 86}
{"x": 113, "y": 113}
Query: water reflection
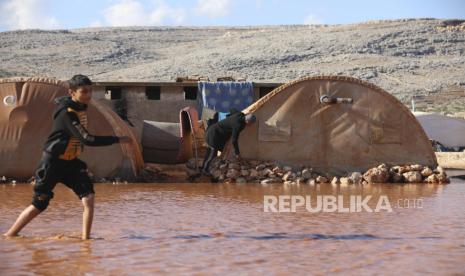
{"x": 221, "y": 228}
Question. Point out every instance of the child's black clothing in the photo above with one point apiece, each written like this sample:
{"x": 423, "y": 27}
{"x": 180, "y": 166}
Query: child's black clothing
{"x": 59, "y": 162}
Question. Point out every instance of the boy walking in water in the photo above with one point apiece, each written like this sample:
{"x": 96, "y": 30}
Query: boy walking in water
{"x": 60, "y": 163}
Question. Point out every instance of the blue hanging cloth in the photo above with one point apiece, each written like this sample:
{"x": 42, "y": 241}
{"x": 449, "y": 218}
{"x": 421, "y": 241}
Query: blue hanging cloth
{"x": 224, "y": 96}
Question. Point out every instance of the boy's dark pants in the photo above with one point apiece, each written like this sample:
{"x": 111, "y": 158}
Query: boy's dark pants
{"x": 51, "y": 170}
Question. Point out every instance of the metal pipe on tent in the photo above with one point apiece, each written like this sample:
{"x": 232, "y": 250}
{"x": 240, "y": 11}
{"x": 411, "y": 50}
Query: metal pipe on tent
{"x": 195, "y": 148}
{"x": 195, "y": 142}
{"x": 333, "y": 100}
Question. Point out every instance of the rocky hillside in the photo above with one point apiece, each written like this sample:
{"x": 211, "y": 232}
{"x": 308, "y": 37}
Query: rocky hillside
{"x": 408, "y": 57}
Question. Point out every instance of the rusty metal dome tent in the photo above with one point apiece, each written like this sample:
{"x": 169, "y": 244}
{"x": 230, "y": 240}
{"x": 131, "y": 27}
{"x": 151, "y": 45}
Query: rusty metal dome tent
{"x": 26, "y": 120}
{"x": 335, "y": 125}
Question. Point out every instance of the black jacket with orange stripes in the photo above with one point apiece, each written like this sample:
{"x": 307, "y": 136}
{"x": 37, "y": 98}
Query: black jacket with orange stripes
{"x": 69, "y": 132}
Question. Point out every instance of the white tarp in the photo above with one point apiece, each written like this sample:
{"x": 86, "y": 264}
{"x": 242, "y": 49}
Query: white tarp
{"x": 446, "y": 130}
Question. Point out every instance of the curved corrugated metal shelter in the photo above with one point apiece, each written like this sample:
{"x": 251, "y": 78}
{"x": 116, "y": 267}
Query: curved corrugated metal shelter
{"x": 296, "y": 126}
{"x": 26, "y": 120}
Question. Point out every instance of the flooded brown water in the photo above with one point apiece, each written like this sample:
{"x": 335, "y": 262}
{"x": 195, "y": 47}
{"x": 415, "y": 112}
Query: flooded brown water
{"x": 223, "y": 229}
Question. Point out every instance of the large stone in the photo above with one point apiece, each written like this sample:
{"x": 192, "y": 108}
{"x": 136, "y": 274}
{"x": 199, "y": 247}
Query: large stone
{"x": 345, "y": 181}
{"x": 442, "y": 177}
{"x": 322, "y": 179}
{"x": 234, "y": 166}
{"x": 216, "y": 173}
{"x": 218, "y": 162}
{"x": 412, "y": 177}
{"x": 277, "y": 170}
{"x": 383, "y": 167}
{"x": 439, "y": 169}
{"x": 306, "y": 174}
{"x": 254, "y": 163}
{"x": 266, "y": 181}
{"x": 270, "y": 181}
{"x": 335, "y": 180}
{"x": 267, "y": 172}
{"x": 416, "y": 167}
{"x": 270, "y": 164}
{"x": 400, "y": 169}
{"x": 432, "y": 179}
{"x": 287, "y": 168}
{"x": 253, "y": 173}
{"x": 311, "y": 181}
{"x": 287, "y": 176}
{"x": 191, "y": 164}
{"x": 245, "y": 172}
{"x": 241, "y": 180}
{"x": 426, "y": 172}
{"x": 260, "y": 167}
{"x": 376, "y": 175}
{"x": 264, "y": 173}
{"x": 233, "y": 173}
{"x": 397, "y": 178}
{"x": 356, "y": 178}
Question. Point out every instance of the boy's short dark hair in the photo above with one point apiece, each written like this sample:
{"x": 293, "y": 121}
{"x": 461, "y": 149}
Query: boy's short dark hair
{"x": 79, "y": 80}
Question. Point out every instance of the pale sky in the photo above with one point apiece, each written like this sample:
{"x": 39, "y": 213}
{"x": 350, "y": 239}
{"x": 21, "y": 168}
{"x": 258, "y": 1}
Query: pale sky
{"x": 69, "y": 14}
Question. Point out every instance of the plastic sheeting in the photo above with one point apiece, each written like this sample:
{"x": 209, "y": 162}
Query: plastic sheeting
{"x": 448, "y": 131}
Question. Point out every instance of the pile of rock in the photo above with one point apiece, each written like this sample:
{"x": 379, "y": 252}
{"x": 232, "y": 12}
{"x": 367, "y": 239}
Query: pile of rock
{"x": 146, "y": 175}
{"x": 405, "y": 174}
{"x": 149, "y": 174}
{"x": 273, "y": 172}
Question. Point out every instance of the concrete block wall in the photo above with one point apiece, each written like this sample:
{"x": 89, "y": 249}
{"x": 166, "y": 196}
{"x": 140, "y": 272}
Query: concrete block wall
{"x": 139, "y": 108}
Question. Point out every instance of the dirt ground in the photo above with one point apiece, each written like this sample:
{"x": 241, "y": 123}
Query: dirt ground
{"x": 407, "y": 57}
